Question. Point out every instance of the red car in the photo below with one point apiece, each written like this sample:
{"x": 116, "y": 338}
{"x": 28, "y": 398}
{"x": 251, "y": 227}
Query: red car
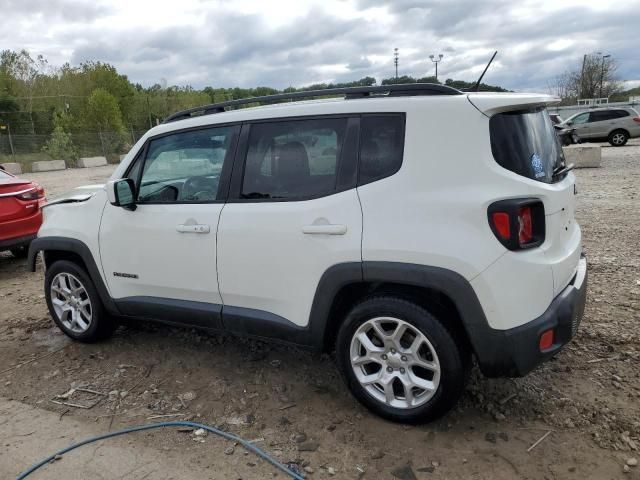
{"x": 21, "y": 204}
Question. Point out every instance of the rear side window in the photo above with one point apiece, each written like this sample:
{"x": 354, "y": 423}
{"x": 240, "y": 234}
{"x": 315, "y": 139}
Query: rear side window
{"x": 293, "y": 159}
{"x": 620, "y": 113}
{"x": 525, "y": 142}
{"x": 601, "y": 116}
{"x": 381, "y": 146}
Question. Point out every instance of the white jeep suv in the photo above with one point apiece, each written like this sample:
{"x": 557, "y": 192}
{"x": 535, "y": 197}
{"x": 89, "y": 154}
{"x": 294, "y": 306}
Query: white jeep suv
{"x": 408, "y": 227}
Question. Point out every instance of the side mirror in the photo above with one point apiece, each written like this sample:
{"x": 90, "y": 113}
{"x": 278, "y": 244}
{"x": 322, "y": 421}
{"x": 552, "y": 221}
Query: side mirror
{"x": 121, "y": 193}
{"x": 569, "y": 123}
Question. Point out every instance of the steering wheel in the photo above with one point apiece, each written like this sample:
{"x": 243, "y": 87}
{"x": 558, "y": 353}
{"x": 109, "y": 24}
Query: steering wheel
{"x": 200, "y": 188}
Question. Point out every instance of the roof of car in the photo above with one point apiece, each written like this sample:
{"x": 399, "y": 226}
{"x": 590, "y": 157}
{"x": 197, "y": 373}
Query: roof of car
{"x": 348, "y": 93}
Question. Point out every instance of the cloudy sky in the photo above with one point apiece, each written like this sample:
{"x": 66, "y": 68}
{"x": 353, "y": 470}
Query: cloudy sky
{"x": 298, "y": 42}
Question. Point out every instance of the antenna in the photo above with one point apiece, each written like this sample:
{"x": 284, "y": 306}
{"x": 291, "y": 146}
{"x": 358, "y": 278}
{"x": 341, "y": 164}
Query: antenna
{"x": 477, "y": 85}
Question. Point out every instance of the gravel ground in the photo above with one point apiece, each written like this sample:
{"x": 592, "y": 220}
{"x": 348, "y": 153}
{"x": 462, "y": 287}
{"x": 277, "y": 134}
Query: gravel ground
{"x": 295, "y": 405}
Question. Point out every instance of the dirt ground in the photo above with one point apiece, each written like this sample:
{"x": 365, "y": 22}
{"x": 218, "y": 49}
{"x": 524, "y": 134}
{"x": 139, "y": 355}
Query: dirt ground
{"x": 294, "y": 404}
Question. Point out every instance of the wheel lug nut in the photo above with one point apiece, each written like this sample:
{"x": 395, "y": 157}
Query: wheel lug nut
{"x": 404, "y": 358}
{"x": 402, "y": 370}
{"x": 384, "y": 357}
{"x": 393, "y": 350}
{"x": 389, "y": 369}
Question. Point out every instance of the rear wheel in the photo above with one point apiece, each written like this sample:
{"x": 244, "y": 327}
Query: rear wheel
{"x": 618, "y": 138}
{"x": 400, "y": 361}
{"x": 74, "y": 303}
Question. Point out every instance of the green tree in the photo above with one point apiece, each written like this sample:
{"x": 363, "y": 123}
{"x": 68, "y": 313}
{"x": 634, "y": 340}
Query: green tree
{"x": 102, "y": 113}
{"x": 60, "y": 146}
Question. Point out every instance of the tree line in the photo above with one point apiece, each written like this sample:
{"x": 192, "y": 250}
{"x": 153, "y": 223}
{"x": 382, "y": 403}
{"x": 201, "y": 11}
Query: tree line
{"x": 37, "y": 98}
{"x": 594, "y": 77}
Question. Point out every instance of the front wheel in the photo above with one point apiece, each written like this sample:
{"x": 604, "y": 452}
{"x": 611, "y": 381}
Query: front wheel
{"x": 400, "y": 361}
{"x": 618, "y": 138}
{"x": 74, "y": 303}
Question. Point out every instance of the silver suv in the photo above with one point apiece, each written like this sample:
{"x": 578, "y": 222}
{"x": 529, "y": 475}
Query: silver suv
{"x": 614, "y": 125}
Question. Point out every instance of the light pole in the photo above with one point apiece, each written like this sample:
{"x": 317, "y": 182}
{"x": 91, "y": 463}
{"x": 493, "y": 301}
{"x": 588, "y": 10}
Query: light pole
{"x": 396, "y": 56}
{"x": 436, "y": 61}
{"x": 602, "y": 73}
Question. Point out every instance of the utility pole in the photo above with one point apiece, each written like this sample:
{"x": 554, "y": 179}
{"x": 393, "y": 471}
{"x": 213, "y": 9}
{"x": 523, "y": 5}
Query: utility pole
{"x": 436, "y": 61}
{"x": 13, "y": 153}
{"x": 396, "y": 56}
{"x": 149, "y": 111}
{"x": 584, "y": 60}
{"x": 602, "y": 74}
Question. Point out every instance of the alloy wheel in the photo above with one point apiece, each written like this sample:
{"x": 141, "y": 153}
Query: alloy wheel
{"x": 395, "y": 362}
{"x": 618, "y": 138}
{"x": 71, "y": 302}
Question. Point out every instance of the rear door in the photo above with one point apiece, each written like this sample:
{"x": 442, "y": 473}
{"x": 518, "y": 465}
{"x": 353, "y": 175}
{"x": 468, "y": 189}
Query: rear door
{"x": 581, "y": 124}
{"x": 293, "y": 212}
{"x": 600, "y": 122}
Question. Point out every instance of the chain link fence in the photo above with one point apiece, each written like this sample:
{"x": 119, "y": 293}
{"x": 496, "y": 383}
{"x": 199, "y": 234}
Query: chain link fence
{"x": 26, "y": 148}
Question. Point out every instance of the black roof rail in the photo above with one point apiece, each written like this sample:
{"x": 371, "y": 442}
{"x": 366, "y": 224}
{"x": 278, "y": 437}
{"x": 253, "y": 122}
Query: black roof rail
{"x": 408, "y": 89}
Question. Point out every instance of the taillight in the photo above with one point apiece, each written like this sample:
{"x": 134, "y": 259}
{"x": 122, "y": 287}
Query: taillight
{"x": 501, "y": 223}
{"x": 525, "y": 226}
{"x": 35, "y": 194}
{"x": 636, "y": 119}
{"x": 518, "y": 223}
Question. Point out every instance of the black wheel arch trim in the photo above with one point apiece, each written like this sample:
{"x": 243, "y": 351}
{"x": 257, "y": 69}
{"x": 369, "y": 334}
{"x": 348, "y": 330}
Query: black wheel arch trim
{"x": 261, "y": 324}
{"x": 73, "y": 245}
{"x": 447, "y": 282}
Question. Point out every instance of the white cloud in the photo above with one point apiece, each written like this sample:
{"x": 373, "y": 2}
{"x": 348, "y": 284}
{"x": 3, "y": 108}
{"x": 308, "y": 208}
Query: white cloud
{"x": 296, "y": 42}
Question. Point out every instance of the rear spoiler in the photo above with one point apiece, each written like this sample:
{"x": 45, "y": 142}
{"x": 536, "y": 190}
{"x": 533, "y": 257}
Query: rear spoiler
{"x": 492, "y": 103}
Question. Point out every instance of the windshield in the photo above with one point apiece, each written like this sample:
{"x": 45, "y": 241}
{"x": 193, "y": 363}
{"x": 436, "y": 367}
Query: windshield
{"x": 525, "y": 142}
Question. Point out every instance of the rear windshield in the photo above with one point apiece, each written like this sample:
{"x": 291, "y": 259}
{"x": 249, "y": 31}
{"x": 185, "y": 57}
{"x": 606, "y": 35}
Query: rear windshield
{"x": 525, "y": 142}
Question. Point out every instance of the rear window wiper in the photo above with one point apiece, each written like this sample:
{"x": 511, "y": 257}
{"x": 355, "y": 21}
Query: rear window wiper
{"x": 562, "y": 169}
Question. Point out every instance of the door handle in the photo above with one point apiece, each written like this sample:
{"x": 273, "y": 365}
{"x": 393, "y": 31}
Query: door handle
{"x": 193, "y": 228}
{"x": 330, "y": 229}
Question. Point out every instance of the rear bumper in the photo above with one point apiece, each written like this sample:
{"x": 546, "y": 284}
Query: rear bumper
{"x": 21, "y": 231}
{"x": 515, "y": 352}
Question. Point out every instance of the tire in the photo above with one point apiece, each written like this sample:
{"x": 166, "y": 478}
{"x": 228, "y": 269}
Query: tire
{"x": 74, "y": 303}
{"x": 20, "y": 252}
{"x": 618, "y": 138}
{"x": 449, "y": 363}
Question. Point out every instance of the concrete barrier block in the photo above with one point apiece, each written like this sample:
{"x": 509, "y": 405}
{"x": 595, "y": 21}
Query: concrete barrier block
{"x": 48, "y": 166}
{"x": 91, "y": 162}
{"x": 583, "y": 156}
{"x": 13, "y": 168}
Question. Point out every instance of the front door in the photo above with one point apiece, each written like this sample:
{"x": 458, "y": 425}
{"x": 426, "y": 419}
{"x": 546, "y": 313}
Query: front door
{"x": 294, "y": 213}
{"x": 582, "y": 126}
{"x": 160, "y": 259}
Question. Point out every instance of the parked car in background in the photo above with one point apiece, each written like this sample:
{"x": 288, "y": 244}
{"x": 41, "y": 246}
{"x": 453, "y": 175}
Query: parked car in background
{"x": 21, "y": 204}
{"x": 614, "y": 125}
{"x": 555, "y": 118}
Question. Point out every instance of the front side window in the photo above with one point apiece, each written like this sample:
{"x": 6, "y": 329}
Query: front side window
{"x": 381, "y": 146}
{"x": 293, "y": 159}
{"x": 582, "y": 118}
{"x": 184, "y": 167}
